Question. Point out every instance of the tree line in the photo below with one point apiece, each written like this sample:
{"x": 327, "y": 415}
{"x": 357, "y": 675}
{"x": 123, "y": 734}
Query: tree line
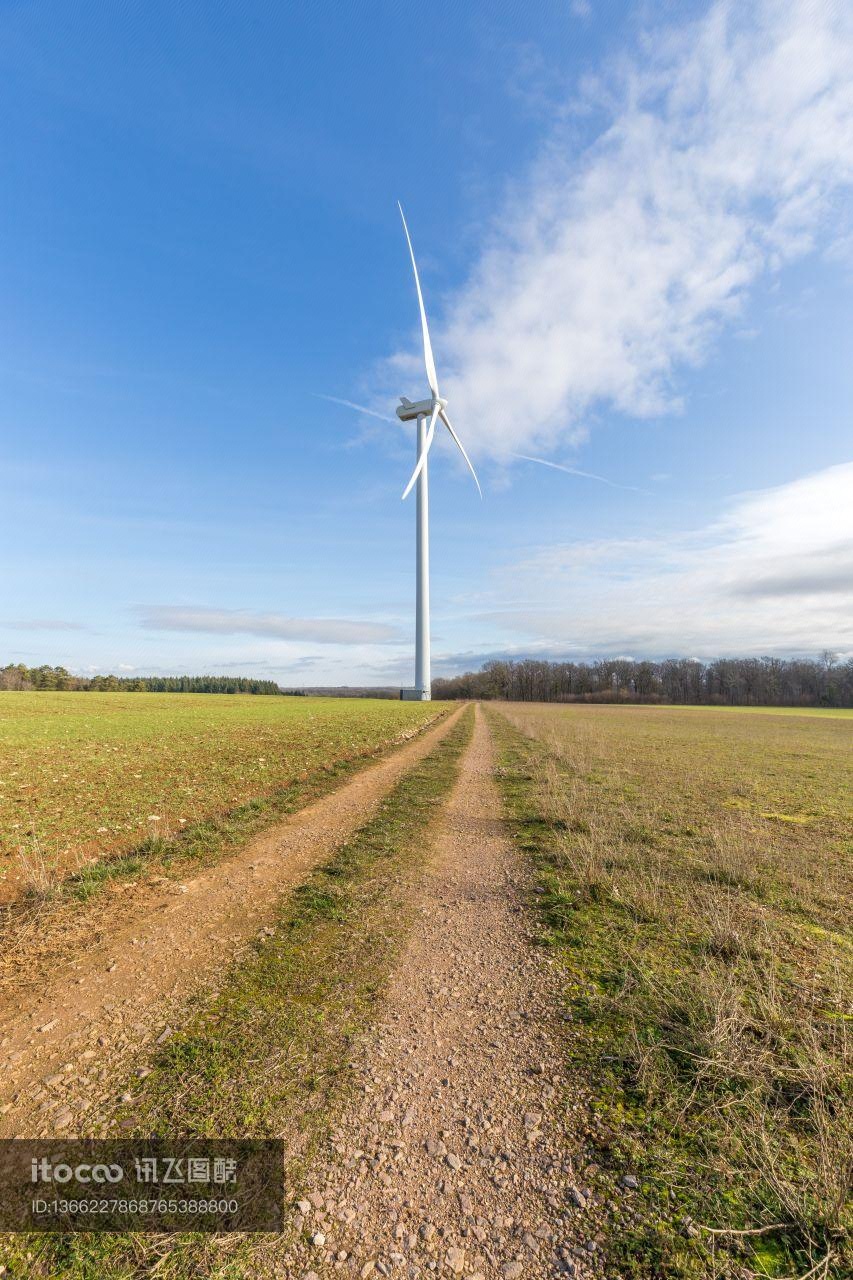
{"x": 734, "y": 682}
{"x": 21, "y": 677}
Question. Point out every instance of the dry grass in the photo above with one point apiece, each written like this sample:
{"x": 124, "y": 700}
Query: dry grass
{"x": 697, "y": 878}
{"x": 37, "y": 873}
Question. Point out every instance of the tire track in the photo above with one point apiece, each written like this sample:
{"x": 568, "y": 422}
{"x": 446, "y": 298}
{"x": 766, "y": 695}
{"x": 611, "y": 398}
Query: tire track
{"x": 60, "y": 1049}
{"x": 456, "y": 1156}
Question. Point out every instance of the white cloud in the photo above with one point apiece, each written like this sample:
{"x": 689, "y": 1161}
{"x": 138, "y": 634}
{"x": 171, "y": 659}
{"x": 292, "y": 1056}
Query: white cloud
{"x": 773, "y": 575}
{"x": 725, "y": 145}
{"x": 245, "y": 622}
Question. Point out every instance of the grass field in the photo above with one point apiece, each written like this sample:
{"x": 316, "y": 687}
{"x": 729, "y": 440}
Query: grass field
{"x": 842, "y": 713}
{"x": 836, "y": 713}
{"x": 269, "y": 1054}
{"x": 83, "y": 776}
{"x": 695, "y": 884}
{"x": 693, "y": 878}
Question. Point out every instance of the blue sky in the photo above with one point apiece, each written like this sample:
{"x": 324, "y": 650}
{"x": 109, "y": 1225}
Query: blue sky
{"x": 634, "y": 235}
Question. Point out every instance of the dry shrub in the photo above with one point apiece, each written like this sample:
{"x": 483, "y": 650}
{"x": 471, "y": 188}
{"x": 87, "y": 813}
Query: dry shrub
{"x": 37, "y": 870}
{"x": 731, "y": 857}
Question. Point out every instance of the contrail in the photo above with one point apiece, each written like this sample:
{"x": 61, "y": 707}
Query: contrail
{"x": 359, "y": 408}
{"x": 575, "y": 471}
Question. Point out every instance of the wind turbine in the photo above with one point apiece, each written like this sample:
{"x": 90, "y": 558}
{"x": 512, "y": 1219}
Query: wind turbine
{"x": 407, "y": 411}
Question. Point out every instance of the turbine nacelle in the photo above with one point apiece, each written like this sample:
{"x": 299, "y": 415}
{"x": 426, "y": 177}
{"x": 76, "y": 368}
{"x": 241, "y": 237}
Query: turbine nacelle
{"x": 408, "y": 411}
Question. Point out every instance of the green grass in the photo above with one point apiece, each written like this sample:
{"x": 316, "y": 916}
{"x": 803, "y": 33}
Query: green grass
{"x": 706, "y": 958}
{"x": 52, "y": 918}
{"x": 91, "y": 776}
{"x": 202, "y": 843}
{"x": 269, "y": 1053}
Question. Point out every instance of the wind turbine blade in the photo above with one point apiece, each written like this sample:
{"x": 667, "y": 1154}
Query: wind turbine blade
{"x": 422, "y": 459}
{"x": 461, "y": 448}
{"x": 432, "y": 378}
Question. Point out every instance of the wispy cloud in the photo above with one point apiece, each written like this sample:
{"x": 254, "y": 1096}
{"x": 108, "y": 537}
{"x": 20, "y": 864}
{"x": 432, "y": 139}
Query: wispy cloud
{"x": 358, "y": 408}
{"x": 723, "y": 146}
{"x": 576, "y": 471}
{"x": 41, "y": 624}
{"x": 276, "y": 625}
{"x": 773, "y": 575}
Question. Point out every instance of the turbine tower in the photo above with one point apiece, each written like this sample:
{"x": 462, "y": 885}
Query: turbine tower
{"x": 407, "y": 411}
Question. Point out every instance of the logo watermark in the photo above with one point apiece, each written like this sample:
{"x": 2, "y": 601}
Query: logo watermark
{"x": 149, "y": 1184}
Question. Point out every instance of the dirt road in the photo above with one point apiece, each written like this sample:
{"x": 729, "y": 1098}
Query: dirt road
{"x": 453, "y": 1158}
{"x": 60, "y": 1049}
